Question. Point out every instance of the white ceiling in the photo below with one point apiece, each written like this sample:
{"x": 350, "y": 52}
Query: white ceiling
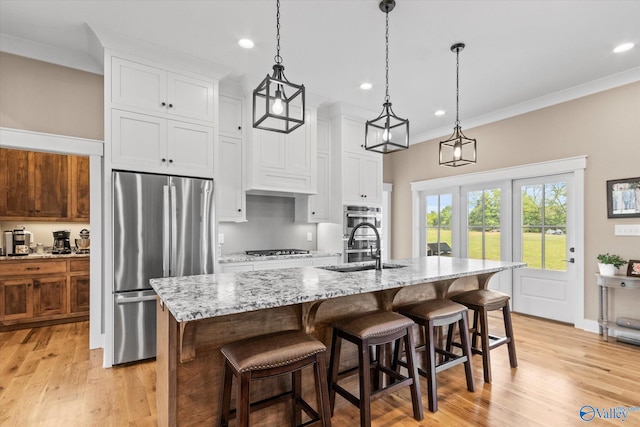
{"x": 520, "y": 55}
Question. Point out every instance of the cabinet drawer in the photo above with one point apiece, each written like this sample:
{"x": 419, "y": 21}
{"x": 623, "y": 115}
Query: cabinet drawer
{"x": 622, "y": 282}
{"x": 32, "y": 268}
{"x": 79, "y": 265}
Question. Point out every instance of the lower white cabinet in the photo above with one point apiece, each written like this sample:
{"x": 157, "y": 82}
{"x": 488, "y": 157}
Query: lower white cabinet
{"x": 152, "y": 144}
{"x": 236, "y": 267}
{"x": 231, "y": 195}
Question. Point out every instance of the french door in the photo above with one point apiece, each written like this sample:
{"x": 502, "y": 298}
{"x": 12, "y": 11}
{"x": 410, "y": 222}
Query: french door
{"x": 544, "y": 238}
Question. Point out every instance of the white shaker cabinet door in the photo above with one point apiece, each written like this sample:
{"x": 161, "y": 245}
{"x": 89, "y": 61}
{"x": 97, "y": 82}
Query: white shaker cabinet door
{"x": 351, "y": 191}
{"x": 371, "y": 178}
{"x": 189, "y": 97}
{"x": 230, "y": 115}
{"x": 319, "y": 204}
{"x": 138, "y": 85}
{"x": 189, "y": 149}
{"x": 353, "y": 136}
{"x": 139, "y": 141}
{"x": 231, "y": 198}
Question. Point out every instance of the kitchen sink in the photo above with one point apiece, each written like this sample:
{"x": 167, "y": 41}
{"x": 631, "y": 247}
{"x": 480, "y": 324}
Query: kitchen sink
{"x": 354, "y": 268}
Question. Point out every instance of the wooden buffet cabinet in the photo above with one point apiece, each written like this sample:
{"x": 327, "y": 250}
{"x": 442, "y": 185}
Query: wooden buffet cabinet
{"x": 43, "y": 186}
{"x": 43, "y": 291}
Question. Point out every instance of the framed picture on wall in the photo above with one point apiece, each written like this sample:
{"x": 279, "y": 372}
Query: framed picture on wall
{"x": 623, "y": 198}
{"x": 634, "y": 268}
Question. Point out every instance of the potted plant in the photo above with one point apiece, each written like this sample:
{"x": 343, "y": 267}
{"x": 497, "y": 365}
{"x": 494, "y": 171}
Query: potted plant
{"x": 608, "y": 264}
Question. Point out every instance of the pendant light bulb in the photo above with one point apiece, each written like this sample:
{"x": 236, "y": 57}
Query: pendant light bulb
{"x": 277, "y": 107}
{"x": 386, "y": 135}
{"x": 457, "y": 150}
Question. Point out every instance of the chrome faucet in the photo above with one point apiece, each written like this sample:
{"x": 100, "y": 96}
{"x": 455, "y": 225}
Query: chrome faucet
{"x": 377, "y": 255}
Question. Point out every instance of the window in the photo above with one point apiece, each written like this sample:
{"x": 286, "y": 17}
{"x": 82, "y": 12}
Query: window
{"x": 483, "y": 224}
{"x": 438, "y": 224}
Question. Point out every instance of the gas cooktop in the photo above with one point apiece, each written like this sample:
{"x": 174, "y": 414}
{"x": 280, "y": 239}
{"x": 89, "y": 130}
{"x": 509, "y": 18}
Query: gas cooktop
{"x": 272, "y": 252}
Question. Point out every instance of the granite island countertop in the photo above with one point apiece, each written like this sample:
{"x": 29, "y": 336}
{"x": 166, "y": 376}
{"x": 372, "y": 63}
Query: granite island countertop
{"x": 205, "y": 296}
{"x": 242, "y": 257}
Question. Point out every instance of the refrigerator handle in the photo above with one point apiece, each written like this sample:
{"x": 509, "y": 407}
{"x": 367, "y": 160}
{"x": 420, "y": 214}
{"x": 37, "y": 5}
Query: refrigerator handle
{"x": 173, "y": 255}
{"x": 165, "y": 231}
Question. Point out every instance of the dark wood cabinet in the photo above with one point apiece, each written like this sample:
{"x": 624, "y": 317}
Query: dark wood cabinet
{"x": 43, "y": 186}
{"x": 33, "y": 291}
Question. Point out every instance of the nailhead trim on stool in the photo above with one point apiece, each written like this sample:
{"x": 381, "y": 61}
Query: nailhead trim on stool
{"x": 268, "y": 356}
{"x": 481, "y": 301}
{"x": 378, "y": 329}
{"x": 431, "y": 314}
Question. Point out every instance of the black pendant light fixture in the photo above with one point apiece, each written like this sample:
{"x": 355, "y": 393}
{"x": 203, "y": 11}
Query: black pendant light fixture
{"x": 458, "y": 150}
{"x": 387, "y": 132}
{"x": 278, "y": 104}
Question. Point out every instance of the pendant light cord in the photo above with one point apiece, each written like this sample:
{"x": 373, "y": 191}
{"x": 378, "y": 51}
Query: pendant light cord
{"x": 458, "y": 87}
{"x": 278, "y": 58}
{"x": 386, "y": 42}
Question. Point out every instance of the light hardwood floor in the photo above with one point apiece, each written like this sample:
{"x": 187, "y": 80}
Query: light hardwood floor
{"x": 48, "y": 377}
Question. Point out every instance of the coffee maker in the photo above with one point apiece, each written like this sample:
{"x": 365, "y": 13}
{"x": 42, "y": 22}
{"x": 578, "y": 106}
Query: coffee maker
{"x": 61, "y": 243}
{"x": 17, "y": 241}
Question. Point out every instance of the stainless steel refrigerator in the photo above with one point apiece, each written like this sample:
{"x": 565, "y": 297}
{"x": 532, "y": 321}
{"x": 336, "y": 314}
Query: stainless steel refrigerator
{"x": 162, "y": 226}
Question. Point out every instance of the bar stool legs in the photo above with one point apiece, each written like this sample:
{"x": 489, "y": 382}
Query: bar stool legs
{"x": 481, "y": 301}
{"x": 365, "y": 331}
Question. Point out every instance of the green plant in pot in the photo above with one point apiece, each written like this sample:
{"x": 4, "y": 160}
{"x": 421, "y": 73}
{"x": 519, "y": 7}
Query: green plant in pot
{"x": 608, "y": 264}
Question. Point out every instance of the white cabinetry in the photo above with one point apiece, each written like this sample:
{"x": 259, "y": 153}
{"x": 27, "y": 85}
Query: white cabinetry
{"x": 361, "y": 170}
{"x": 153, "y": 144}
{"x": 160, "y": 92}
{"x": 230, "y": 190}
{"x": 160, "y": 121}
{"x": 284, "y": 162}
{"x": 317, "y": 208}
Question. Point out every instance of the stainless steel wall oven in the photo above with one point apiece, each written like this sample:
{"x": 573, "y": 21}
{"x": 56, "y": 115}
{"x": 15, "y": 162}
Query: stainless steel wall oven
{"x": 365, "y": 237}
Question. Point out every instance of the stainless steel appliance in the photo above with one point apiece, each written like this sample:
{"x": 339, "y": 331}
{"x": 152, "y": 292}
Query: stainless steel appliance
{"x": 17, "y": 241}
{"x": 162, "y": 226}
{"x": 363, "y": 246}
{"x": 61, "y": 243}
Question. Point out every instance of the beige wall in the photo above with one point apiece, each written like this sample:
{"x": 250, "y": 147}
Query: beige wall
{"x": 604, "y": 126}
{"x": 44, "y": 97}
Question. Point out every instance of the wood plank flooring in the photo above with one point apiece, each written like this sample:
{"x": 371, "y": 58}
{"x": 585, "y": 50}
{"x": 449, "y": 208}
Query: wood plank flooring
{"x": 48, "y": 377}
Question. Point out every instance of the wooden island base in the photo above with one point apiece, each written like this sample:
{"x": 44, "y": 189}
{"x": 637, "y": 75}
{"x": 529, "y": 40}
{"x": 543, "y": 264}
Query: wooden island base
{"x": 190, "y": 366}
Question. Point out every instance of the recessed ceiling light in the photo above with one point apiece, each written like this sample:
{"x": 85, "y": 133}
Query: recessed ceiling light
{"x": 623, "y": 47}
{"x": 246, "y": 43}
{"x": 439, "y": 113}
{"x": 366, "y": 86}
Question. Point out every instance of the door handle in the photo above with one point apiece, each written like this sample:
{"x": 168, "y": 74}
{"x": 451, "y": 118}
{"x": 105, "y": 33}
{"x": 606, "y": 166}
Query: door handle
{"x": 571, "y": 260}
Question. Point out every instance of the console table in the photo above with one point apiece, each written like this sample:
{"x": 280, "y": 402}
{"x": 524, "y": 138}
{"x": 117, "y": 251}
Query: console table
{"x": 613, "y": 282}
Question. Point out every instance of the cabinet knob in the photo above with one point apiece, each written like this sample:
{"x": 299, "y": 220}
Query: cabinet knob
{"x": 313, "y": 213}
{"x": 623, "y": 284}
{"x": 170, "y": 160}
{"x": 164, "y": 160}
{"x": 164, "y": 104}
{"x": 239, "y": 210}
{"x": 170, "y": 105}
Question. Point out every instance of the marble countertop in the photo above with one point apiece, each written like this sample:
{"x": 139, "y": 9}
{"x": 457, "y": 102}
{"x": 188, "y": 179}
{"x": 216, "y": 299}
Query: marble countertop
{"x": 242, "y": 257}
{"x": 42, "y": 256}
{"x": 201, "y": 297}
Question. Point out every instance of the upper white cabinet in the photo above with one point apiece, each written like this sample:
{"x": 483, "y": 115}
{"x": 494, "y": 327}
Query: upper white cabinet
{"x": 361, "y": 170}
{"x": 152, "y": 144}
{"x": 153, "y": 90}
{"x": 230, "y": 121}
{"x": 317, "y": 208}
{"x": 284, "y": 162}
{"x": 231, "y": 195}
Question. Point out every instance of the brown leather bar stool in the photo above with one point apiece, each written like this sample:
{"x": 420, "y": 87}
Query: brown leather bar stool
{"x": 431, "y": 314}
{"x": 482, "y": 301}
{"x": 271, "y": 355}
{"x": 378, "y": 329}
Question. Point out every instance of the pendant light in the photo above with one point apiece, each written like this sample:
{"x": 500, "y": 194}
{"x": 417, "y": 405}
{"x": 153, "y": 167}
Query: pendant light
{"x": 278, "y": 104}
{"x": 387, "y": 132}
{"x": 458, "y": 150}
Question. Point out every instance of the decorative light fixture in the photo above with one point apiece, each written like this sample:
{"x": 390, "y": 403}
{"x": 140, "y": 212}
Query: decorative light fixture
{"x": 458, "y": 150}
{"x": 387, "y": 132}
{"x": 278, "y": 105}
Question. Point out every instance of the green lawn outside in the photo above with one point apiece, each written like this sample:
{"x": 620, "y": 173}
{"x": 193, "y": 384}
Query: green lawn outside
{"x": 555, "y": 247}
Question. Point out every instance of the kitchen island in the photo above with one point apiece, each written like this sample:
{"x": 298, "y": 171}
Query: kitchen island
{"x": 197, "y": 315}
